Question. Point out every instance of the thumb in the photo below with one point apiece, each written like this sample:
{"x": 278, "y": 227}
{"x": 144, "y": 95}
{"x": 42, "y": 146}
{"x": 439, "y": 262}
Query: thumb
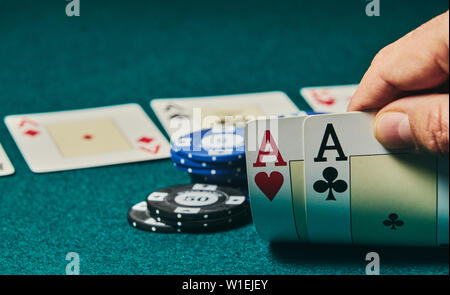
{"x": 417, "y": 121}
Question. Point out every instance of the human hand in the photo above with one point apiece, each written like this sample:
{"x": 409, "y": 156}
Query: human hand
{"x": 408, "y": 85}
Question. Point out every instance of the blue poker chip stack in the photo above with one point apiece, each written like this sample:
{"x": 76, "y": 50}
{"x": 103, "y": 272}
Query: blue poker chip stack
{"x": 215, "y": 156}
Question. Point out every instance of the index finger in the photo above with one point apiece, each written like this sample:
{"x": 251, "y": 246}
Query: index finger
{"x": 417, "y": 61}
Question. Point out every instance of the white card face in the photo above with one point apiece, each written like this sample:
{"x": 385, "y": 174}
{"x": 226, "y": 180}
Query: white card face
{"x": 87, "y": 138}
{"x": 6, "y": 168}
{"x": 329, "y": 99}
{"x": 359, "y": 192}
{"x": 274, "y": 150}
{"x": 183, "y": 115}
{"x": 328, "y": 211}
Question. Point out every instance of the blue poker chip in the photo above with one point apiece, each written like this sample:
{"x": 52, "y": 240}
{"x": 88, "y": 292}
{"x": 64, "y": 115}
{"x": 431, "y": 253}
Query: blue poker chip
{"x": 179, "y": 160}
{"x": 234, "y": 171}
{"x": 219, "y": 144}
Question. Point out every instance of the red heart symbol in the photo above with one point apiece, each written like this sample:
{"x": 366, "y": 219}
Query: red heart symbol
{"x": 269, "y": 185}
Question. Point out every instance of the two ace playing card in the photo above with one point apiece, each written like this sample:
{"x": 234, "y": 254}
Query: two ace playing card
{"x": 329, "y": 99}
{"x": 326, "y": 179}
{"x": 183, "y": 115}
{"x": 87, "y": 138}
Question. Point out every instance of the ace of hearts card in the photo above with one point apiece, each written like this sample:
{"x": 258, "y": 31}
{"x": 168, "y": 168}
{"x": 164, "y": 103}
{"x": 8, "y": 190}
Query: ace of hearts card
{"x": 343, "y": 187}
{"x": 87, "y": 138}
{"x": 274, "y": 152}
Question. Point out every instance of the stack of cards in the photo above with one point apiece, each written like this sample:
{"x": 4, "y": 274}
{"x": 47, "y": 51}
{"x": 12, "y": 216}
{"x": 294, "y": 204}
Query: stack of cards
{"x": 326, "y": 179}
{"x": 87, "y": 138}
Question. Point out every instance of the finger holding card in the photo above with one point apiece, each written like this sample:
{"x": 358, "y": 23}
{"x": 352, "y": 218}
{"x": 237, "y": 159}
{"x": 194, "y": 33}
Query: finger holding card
{"x": 274, "y": 156}
{"x": 87, "y": 138}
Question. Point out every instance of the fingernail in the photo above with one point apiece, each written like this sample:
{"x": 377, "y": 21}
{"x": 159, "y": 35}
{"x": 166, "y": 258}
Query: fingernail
{"x": 392, "y": 129}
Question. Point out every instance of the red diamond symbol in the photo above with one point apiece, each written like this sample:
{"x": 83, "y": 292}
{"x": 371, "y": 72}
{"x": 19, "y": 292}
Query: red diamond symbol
{"x": 88, "y": 137}
{"x": 31, "y": 133}
{"x": 145, "y": 139}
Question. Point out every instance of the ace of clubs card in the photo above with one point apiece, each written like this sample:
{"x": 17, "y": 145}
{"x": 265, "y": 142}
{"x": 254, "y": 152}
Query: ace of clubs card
{"x": 359, "y": 192}
{"x": 87, "y": 138}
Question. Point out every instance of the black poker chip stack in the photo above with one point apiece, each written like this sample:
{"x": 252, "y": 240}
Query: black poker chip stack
{"x": 192, "y": 208}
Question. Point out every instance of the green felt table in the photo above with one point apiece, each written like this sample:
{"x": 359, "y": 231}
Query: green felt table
{"x": 132, "y": 51}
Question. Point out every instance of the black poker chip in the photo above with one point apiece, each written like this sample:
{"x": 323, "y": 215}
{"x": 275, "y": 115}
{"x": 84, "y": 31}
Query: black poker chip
{"x": 236, "y": 182}
{"x": 139, "y": 217}
{"x": 197, "y": 201}
{"x": 219, "y": 224}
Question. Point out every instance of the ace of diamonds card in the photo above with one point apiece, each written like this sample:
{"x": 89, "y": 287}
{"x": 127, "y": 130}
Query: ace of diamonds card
{"x": 87, "y": 138}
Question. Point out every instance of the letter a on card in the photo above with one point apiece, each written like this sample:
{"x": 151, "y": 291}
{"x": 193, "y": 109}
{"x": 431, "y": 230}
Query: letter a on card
{"x": 268, "y": 142}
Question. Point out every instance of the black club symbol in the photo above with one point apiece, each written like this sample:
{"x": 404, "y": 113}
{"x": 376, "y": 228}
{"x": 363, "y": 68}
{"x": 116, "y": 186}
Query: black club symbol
{"x": 393, "y": 221}
{"x": 330, "y": 174}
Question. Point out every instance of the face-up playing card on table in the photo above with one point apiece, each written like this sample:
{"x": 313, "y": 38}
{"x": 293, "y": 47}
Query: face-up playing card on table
{"x": 329, "y": 99}
{"x": 6, "y": 168}
{"x": 87, "y": 138}
{"x": 183, "y": 115}
{"x": 359, "y": 192}
{"x": 274, "y": 159}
